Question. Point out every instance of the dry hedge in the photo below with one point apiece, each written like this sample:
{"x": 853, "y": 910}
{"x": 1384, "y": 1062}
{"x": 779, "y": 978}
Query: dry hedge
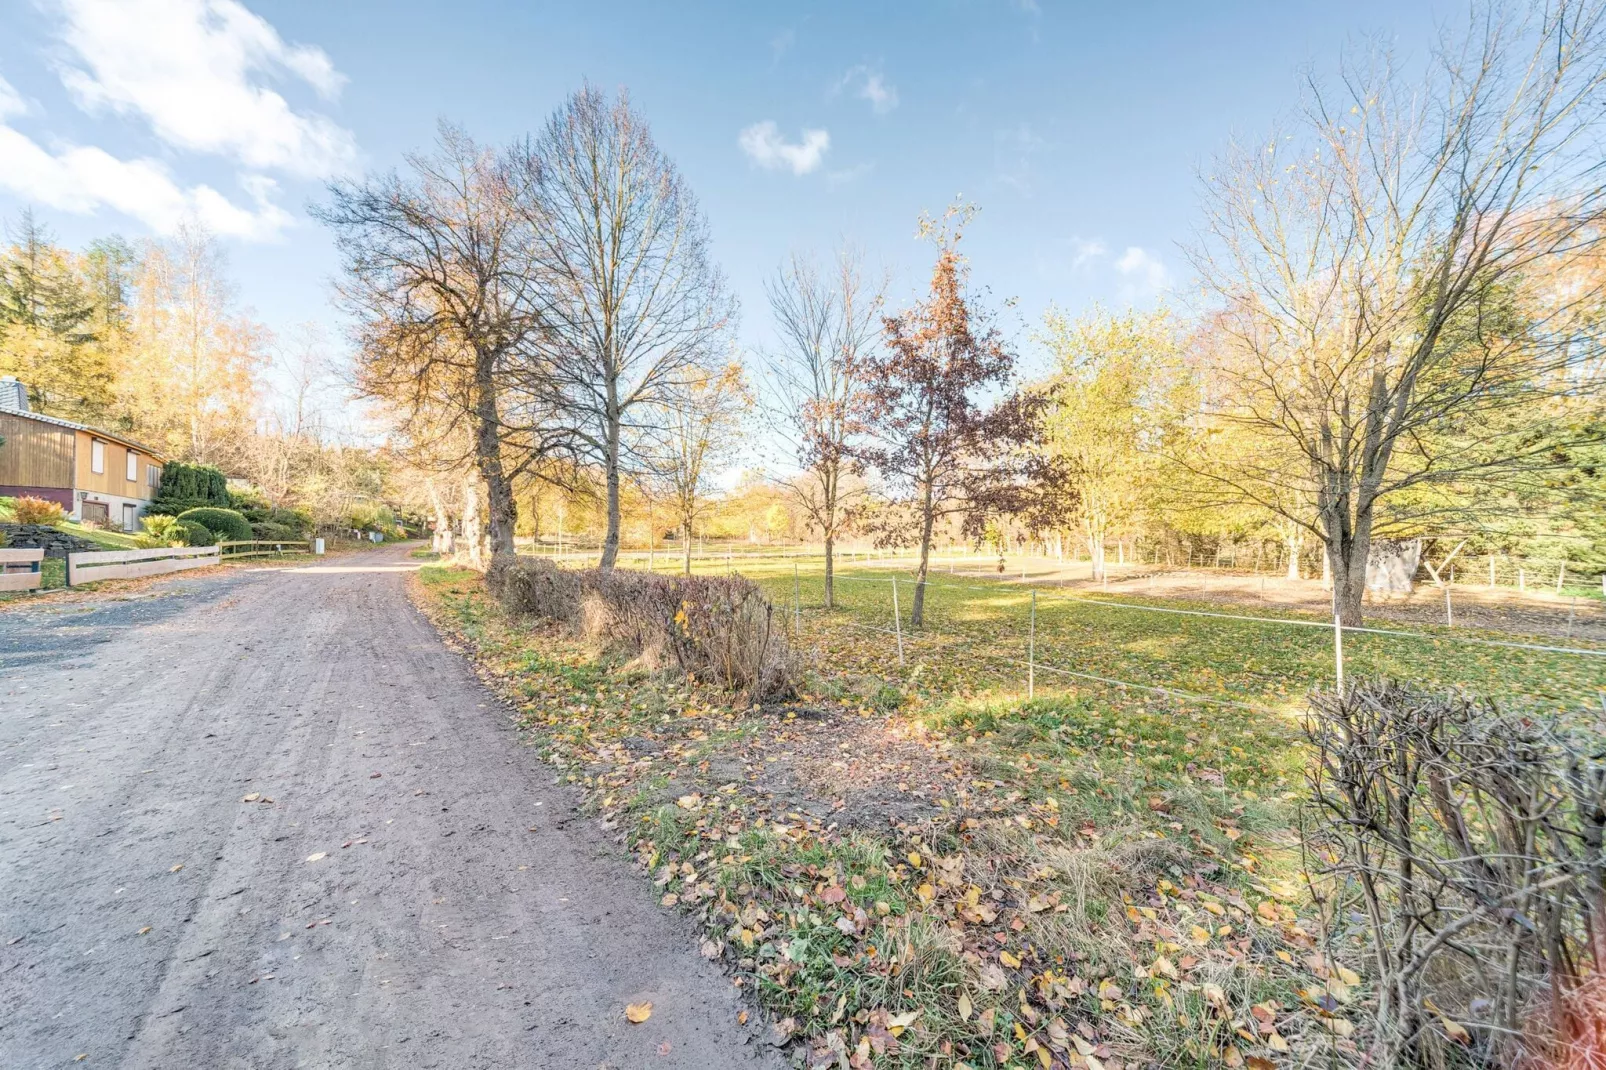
{"x": 1466, "y": 848}
{"x": 720, "y": 629}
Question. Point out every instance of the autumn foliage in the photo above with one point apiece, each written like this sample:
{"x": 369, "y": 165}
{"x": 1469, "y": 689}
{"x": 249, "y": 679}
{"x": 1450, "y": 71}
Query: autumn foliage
{"x": 37, "y": 511}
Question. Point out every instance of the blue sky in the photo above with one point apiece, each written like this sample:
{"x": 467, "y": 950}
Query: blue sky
{"x": 1078, "y": 128}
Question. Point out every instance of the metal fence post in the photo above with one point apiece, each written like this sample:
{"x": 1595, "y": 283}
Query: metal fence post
{"x": 897, "y": 621}
{"x": 1449, "y": 611}
{"x": 1338, "y": 649}
{"x": 1031, "y": 653}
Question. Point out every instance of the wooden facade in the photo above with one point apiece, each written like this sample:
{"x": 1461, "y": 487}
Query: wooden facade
{"x": 113, "y": 476}
{"x": 35, "y": 454}
{"x": 96, "y": 476}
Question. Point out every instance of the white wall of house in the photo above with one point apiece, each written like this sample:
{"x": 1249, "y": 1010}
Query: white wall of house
{"x": 117, "y": 508}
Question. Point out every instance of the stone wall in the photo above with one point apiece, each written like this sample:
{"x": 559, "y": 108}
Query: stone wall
{"x": 56, "y": 543}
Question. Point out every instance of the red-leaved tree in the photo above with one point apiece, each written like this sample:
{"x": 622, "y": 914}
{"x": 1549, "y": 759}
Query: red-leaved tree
{"x": 921, "y": 418}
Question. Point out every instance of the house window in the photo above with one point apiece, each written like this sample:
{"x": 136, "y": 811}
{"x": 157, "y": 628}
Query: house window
{"x": 132, "y": 473}
{"x": 153, "y": 475}
{"x": 97, "y": 456}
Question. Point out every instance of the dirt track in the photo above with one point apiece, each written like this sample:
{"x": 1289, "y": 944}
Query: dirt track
{"x": 418, "y": 893}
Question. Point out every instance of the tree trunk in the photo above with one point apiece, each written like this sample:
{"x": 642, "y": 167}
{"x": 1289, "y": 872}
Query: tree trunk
{"x": 917, "y": 614}
{"x": 441, "y": 543}
{"x": 1296, "y": 542}
{"x": 471, "y": 521}
{"x": 830, "y": 573}
{"x": 610, "y": 542}
{"x": 688, "y": 548}
{"x": 1346, "y": 559}
{"x": 488, "y": 454}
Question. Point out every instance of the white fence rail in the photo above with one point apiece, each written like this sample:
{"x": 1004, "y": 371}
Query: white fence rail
{"x": 92, "y": 566}
{"x": 20, "y": 570}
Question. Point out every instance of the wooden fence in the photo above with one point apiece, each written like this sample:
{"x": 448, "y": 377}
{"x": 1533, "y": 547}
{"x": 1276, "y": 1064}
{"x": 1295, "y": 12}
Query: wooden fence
{"x": 91, "y": 566}
{"x": 20, "y": 570}
{"x": 262, "y": 547}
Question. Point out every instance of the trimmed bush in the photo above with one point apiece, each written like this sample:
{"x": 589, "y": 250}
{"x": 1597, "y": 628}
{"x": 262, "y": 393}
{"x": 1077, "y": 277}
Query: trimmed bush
{"x": 199, "y": 483}
{"x": 721, "y": 629}
{"x": 195, "y": 534}
{"x": 37, "y": 511}
{"x": 228, "y": 525}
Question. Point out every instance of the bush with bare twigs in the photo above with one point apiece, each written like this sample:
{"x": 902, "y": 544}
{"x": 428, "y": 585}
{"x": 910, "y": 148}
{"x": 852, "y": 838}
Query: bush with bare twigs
{"x": 1461, "y": 846}
{"x": 718, "y": 628}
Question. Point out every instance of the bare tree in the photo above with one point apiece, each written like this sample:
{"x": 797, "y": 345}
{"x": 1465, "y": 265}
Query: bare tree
{"x": 632, "y": 298}
{"x": 828, "y": 324}
{"x": 440, "y": 274}
{"x": 698, "y": 428}
{"x": 1378, "y": 267}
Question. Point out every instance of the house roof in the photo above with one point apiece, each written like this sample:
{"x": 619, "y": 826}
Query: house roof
{"x": 111, "y": 436}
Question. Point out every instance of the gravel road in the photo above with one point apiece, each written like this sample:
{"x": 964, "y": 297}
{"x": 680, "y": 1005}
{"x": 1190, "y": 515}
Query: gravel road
{"x": 410, "y": 890}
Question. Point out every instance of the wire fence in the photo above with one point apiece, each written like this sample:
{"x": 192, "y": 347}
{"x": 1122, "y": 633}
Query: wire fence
{"x": 1030, "y": 656}
{"x": 783, "y": 570}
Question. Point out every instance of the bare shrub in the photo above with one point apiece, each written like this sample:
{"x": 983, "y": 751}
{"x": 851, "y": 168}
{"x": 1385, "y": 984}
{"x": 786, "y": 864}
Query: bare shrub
{"x": 535, "y": 587}
{"x": 721, "y": 629}
{"x": 1470, "y": 842}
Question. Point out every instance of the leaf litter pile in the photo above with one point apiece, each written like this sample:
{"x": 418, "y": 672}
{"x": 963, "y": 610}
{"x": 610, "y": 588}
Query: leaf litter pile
{"x": 917, "y": 868}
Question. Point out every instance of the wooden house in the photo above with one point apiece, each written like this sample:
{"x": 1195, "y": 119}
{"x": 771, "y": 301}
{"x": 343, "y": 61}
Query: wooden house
{"x": 98, "y": 477}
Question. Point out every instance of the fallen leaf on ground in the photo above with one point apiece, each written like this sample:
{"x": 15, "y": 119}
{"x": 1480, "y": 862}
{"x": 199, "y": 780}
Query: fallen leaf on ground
{"x": 176, "y": 868}
{"x": 638, "y": 1012}
{"x": 318, "y": 856}
{"x": 143, "y": 931}
{"x": 253, "y": 797}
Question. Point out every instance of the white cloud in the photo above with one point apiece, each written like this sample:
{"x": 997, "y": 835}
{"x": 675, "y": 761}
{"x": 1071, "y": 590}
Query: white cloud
{"x": 10, "y": 103}
{"x": 1086, "y": 250}
{"x": 868, "y": 85}
{"x": 781, "y": 43}
{"x": 192, "y": 68}
{"x": 84, "y": 179}
{"x": 764, "y": 145}
{"x": 1145, "y": 273}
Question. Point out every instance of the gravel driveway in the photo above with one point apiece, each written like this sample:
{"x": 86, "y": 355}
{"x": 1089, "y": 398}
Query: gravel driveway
{"x": 409, "y": 889}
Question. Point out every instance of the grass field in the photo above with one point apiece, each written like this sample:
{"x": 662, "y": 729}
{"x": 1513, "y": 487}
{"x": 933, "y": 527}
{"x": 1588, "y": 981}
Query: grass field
{"x": 918, "y": 866}
{"x": 977, "y": 634}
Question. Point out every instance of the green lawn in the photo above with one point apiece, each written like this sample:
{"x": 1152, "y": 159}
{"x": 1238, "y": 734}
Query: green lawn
{"x": 976, "y": 639}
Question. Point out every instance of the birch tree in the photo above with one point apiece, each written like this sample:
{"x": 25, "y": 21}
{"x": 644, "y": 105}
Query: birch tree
{"x": 699, "y": 429}
{"x": 1105, "y": 419}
